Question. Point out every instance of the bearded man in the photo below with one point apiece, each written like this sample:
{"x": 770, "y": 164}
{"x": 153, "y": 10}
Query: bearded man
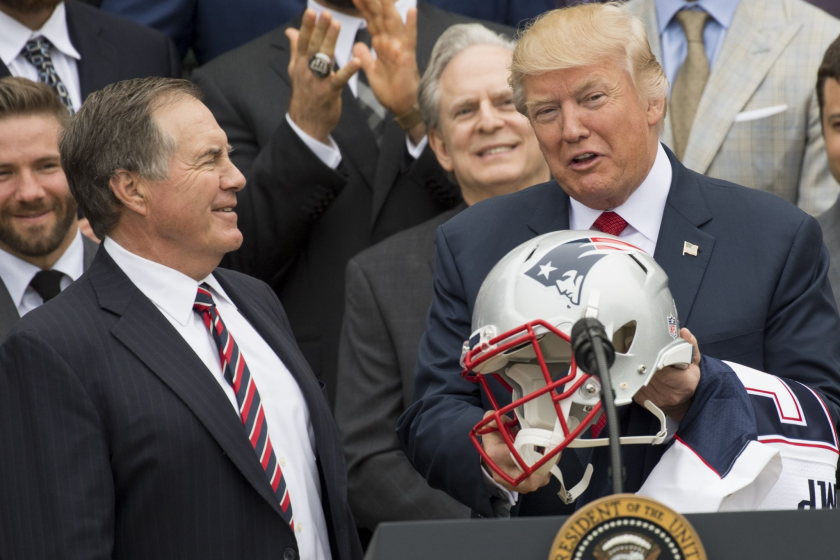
{"x": 41, "y": 248}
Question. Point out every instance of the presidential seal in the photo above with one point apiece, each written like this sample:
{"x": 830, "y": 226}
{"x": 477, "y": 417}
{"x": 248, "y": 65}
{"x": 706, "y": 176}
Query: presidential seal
{"x": 627, "y": 527}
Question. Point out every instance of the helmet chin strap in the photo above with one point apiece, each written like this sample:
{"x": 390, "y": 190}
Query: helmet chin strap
{"x": 529, "y": 439}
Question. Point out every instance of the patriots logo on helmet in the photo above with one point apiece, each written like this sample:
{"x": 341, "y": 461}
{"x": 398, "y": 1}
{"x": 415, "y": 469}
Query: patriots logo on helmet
{"x": 565, "y": 267}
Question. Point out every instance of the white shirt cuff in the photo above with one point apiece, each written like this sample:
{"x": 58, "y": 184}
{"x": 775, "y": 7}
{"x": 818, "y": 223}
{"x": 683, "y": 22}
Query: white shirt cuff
{"x": 416, "y": 151}
{"x": 329, "y": 154}
{"x": 497, "y": 489}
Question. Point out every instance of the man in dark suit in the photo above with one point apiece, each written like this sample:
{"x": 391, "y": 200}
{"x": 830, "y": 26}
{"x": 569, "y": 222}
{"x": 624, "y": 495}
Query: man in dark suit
{"x": 80, "y": 48}
{"x": 466, "y": 104}
{"x": 159, "y": 408}
{"x": 41, "y": 248}
{"x": 828, "y": 96}
{"x": 747, "y": 270}
{"x": 330, "y": 170}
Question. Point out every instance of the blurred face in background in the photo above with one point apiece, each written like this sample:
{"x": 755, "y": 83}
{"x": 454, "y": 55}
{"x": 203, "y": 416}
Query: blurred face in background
{"x": 488, "y": 146}
{"x": 831, "y": 125}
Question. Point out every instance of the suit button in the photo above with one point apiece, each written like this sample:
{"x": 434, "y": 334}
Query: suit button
{"x": 289, "y": 554}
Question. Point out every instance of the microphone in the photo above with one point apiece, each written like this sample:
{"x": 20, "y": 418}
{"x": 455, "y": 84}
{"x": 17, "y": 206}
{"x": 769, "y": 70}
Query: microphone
{"x": 594, "y": 353}
{"x": 587, "y": 333}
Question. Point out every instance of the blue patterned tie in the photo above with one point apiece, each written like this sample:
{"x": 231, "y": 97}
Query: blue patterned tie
{"x": 250, "y": 407}
{"x": 37, "y": 53}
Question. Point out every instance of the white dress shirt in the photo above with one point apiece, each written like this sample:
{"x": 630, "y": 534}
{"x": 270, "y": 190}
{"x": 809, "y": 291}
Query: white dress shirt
{"x": 642, "y": 211}
{"x": 286, "y": 413}
{"x": 329, "y": 154}
{"x": 16, "y": 274}
{"x": 14, "y": 36}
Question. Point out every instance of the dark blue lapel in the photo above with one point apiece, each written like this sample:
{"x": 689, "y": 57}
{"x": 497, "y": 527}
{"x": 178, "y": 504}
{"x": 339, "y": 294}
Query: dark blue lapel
{"x": 685, "y": 212}
{"x": 153, "y": 340}
{"x": 552, "y": 214}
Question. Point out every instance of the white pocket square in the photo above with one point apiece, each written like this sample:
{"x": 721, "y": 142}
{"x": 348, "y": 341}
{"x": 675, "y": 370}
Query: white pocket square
{"x": 760, "y": 113}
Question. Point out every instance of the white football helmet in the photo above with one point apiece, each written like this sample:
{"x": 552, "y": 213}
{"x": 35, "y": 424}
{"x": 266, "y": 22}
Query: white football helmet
{"x": 522, "y": 322}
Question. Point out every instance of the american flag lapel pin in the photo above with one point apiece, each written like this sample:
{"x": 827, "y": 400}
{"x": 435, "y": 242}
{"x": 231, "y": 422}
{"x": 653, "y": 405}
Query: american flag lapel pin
{"x": 690, "y": 249}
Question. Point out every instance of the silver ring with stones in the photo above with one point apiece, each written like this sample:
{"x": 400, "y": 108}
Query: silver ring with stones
{"x": 321, "y": 65}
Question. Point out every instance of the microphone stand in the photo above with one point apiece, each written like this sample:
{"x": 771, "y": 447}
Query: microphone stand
{"x": 594, "y": 353}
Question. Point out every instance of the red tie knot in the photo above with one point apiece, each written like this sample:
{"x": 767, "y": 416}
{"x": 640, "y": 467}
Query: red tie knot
{"x": 611, "y": 223}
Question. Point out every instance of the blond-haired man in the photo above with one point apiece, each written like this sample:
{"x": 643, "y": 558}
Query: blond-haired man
{"x": 747, "y": 270}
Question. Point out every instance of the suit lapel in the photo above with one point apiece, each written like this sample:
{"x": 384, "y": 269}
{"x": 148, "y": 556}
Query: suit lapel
{"x": 553, "y": 212}
{"x": 8, "y": 312}
{"x": 153, "y": 340}
{"x": 99, "y": 63}
{"x": 352, "y": 133}
{"x": 282, "y": 342}
{"x": 752, "y": 44}
{"x": 685, "y": 212}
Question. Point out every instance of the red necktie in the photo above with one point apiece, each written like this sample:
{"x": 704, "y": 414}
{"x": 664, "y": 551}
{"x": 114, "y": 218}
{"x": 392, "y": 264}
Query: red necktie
{"x": 613, "y": 224}
{"x": 610, "y": 222}
{"x": 247, "y": 397}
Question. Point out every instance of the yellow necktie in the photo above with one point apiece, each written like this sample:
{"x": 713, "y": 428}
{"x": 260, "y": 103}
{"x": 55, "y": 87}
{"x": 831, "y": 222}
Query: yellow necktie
{"x": 691, "y": 78}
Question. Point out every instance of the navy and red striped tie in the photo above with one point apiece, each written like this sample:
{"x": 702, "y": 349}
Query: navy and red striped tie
{"x": 247, "y": 397}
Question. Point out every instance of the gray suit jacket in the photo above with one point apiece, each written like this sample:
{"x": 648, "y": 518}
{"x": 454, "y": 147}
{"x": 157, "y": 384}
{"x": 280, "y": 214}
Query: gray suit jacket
{"x": 758, "y": 122}
{"x": 830, "y": 222}
{"x": 8, "y": 309}
{"x": 389, "y": 290}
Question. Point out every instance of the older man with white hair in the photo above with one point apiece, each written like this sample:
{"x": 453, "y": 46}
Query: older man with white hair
{"x": 748, "y": 271}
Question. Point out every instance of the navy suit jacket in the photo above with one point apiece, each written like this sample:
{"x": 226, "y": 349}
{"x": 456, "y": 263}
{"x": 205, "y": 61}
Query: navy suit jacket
{"x": 757, "y": 293}
{"x": 115, "y": 49}
{"x": 119, "y": 443}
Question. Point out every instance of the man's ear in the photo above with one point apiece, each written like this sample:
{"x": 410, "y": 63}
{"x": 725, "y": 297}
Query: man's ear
{"x": 438, "y": 146}
{"x": 131, "y": 191}
{"x": 655, "y": 111}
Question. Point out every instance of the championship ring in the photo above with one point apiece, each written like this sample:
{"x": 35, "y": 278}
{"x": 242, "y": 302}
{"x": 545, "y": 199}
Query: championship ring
{"x": 320, "y": 65}
{"x": 627, "y": 526}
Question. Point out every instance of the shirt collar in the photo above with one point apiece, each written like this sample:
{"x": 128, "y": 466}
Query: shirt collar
{"x": 15, "y": 35}
{"x": 643, "y": 210}
{"x": 172, "y": 291}
{"x": 721, "y": 10}
{"x": 350, "y": 25}
{"x": 16, "y": 273}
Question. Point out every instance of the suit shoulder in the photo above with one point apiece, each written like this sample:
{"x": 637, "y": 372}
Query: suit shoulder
{"x": 725, "y": 197}
{"x": 249, "y": 55}
{"x": 113, "y": 24}
{"x": 808, "y": 14}
{"x": 445, "y": 19}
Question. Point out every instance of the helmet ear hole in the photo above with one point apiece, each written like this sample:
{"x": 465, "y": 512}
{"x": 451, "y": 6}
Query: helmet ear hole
{"x": 623, "y": 337}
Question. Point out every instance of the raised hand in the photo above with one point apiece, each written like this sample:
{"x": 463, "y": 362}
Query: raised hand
{"x": 315, "y": 105}
{"x": 393, "y": 75}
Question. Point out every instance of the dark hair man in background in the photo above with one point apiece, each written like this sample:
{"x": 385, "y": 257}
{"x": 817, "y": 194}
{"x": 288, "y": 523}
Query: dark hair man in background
{"x": 41, "y": 249}
{"x": 828, "y": 94}
{"x": 160, "y": 408}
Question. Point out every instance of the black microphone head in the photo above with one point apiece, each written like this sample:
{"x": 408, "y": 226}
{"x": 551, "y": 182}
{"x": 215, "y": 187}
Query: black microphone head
{"x": 585, "y": 333}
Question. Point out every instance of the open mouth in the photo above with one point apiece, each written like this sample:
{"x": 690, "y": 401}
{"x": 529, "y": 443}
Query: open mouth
{"x": 584, "y": 160}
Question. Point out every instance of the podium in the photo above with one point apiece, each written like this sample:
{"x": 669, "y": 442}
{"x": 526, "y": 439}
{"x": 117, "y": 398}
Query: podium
{"x": 765, "y": 535}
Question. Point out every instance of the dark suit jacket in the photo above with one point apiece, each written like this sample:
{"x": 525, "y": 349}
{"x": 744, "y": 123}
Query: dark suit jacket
{"x": 301, "y": 220}
{"x": 830, "y": 223}
{"x": 8, "y": 309}
{"x": 389, "y": 289}
{"x": 118, "y": 443}
{"x": 115, "y": 49}
{"x": 757, "y": 293}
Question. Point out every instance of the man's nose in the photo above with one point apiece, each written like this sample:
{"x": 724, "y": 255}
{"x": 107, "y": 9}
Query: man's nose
{"x": 489, "y": 118}
{"x": 574, "y": 127}
{"x": 29, "y": 188}
{"x": 232, "y": 178}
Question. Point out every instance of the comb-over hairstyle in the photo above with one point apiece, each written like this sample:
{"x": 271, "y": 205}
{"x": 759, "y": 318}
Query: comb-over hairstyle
{"x": 21, "y": 97}
{"x": 830, "y": 68}
{"x": 115, "y": 129}
{"x": 584, "y": 35}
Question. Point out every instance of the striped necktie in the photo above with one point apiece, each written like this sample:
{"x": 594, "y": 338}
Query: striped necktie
{"x": 37, "y": 53}
{"x": 250, "y": 407}
{"x": 372, "y": 109}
